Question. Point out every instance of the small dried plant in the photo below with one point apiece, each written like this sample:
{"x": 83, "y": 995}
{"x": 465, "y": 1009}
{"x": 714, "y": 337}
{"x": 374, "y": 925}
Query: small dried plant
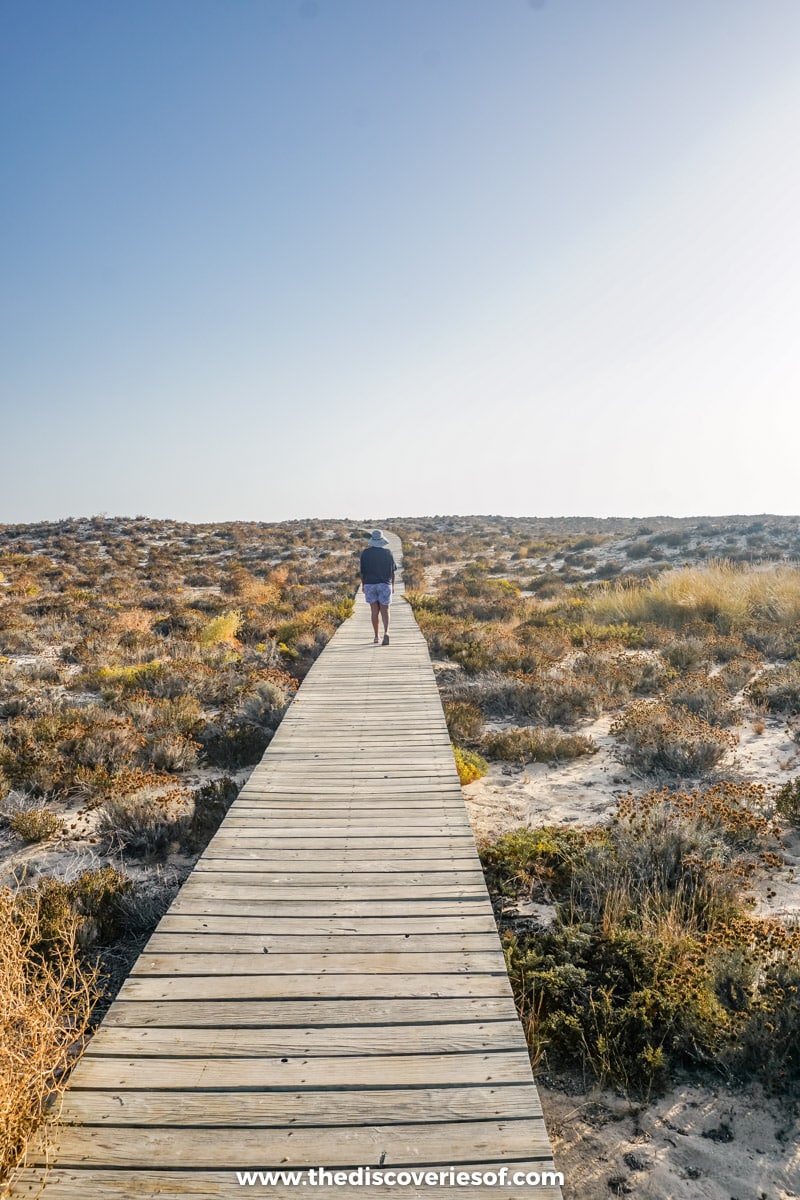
{"x": 46, "y": 1000}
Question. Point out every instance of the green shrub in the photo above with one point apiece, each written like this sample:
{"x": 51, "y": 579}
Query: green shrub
{"x": 562, "y": 700}
{"x": 773, "y": 641}
{"x": 35, "y": 824}
{"x": 221, "y": 629}
{"x": 265, "y": 705}
{"x": 128, "y": 679}
{"x": 234, "y": 746}
{"x": 464, "y": 720}
{"x": 533, "y": 863}
{"x": 90, "y": 903}
{"x": 688, "y": 653}
{"x": 172, "y": 752}
{"x": 145, "y": 824}
{"x": 651, "y": 963}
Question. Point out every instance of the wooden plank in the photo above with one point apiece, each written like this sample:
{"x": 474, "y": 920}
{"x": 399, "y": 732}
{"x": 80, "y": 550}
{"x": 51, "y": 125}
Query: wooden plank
{"x": 304, "y": 1014}
{"x": 449, "y": 875}
{"x": 388, "y": 1145}
{"x": 213, "y": 889}
{"x": 348, "y": 803}
{"x": 286, "y": 907}
{"x": 326, "y": 827}
{"x": 265, "y": 1109}
{"x": 310, "y": 987}
{"x": 279, "y": 963}
{"x": 327, "y": 946}
{"x": 331, "y": 1042}
{"x": 345, "y": 842}
{"x": 292, "y": 926}
{"x": 302, "y": 1071}
{"x": 234, "y": 859}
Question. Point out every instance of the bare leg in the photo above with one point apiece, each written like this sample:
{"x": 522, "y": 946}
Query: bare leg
{"x": 375, "y": 608}
{"x": 385, "y": 616}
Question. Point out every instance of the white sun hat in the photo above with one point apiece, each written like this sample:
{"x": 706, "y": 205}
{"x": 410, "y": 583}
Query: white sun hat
{"x": 376, "y": 538}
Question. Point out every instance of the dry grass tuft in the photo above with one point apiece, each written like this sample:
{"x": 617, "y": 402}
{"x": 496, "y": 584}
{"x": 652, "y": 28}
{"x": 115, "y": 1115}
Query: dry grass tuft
{"x": 727, "y": 596}
{"x": 45, "y": 1006}
{"x": 536, "y": 744}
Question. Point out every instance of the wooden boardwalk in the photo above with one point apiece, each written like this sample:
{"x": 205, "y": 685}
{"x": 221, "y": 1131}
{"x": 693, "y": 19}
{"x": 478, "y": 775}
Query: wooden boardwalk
{"x": 328, "y": 988}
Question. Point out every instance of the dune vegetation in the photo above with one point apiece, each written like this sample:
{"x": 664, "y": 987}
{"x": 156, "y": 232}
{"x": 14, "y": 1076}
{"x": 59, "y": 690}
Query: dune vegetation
{"x": 644, "y": 655}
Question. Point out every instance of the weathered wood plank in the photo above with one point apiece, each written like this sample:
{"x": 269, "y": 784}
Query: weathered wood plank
{"x": 304, "y": 1014}
{"x": 386, "y": 1145}
{"x": 310, "y": 987}
{"x": 287, "y": 907}
{"x": 341, "y": 1039}
{"x": 234, "y": 944}
{"x": 302, "y": 1071}
{"x": 353, "y": 877}
{"x": 265, "y": 1109}
{"x": 215, "y": 888}
{"x": 343, "y": 843}
{"x": 292, "y": 926}
{"x": 349, "y": 862}
{"x": 277, "y": 962}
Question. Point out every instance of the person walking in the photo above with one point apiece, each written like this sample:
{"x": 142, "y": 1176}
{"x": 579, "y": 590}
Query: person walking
{"x": 377, "y": 578}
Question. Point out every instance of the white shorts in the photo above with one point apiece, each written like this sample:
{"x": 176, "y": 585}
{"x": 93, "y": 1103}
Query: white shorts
{"x": 378, "y": 593}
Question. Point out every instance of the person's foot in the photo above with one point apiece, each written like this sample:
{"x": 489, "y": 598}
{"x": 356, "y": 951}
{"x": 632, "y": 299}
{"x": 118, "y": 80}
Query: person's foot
{"x": 385, "y": 639}
{"x": 375, "y": 640}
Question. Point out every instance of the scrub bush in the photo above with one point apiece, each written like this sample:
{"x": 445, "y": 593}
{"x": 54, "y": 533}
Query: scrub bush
{"x": 652, "y": 963}
{"x": 534, "y": 744}
{"x": 35, "y": 824}
{"x": 777, "y": 690}
{"x": 705, "y": 696}
{"x": 464, "y": 720}
{"x": 656, "y": 739}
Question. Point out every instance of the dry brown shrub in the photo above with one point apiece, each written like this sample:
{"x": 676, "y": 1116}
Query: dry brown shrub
{"x": 738, "y": 811}
{"x": 45, "y": 1006}
{"x": 35, "y": 824}
{"x": 534, "y": 744}
{"x": 132, "y": 620}
{"x": 704, "y": 695}
{"x": 656, "y": 739}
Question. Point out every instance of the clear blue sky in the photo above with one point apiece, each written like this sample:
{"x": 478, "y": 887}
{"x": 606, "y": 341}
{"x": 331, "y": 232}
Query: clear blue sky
{"x": 282, "y": 258}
